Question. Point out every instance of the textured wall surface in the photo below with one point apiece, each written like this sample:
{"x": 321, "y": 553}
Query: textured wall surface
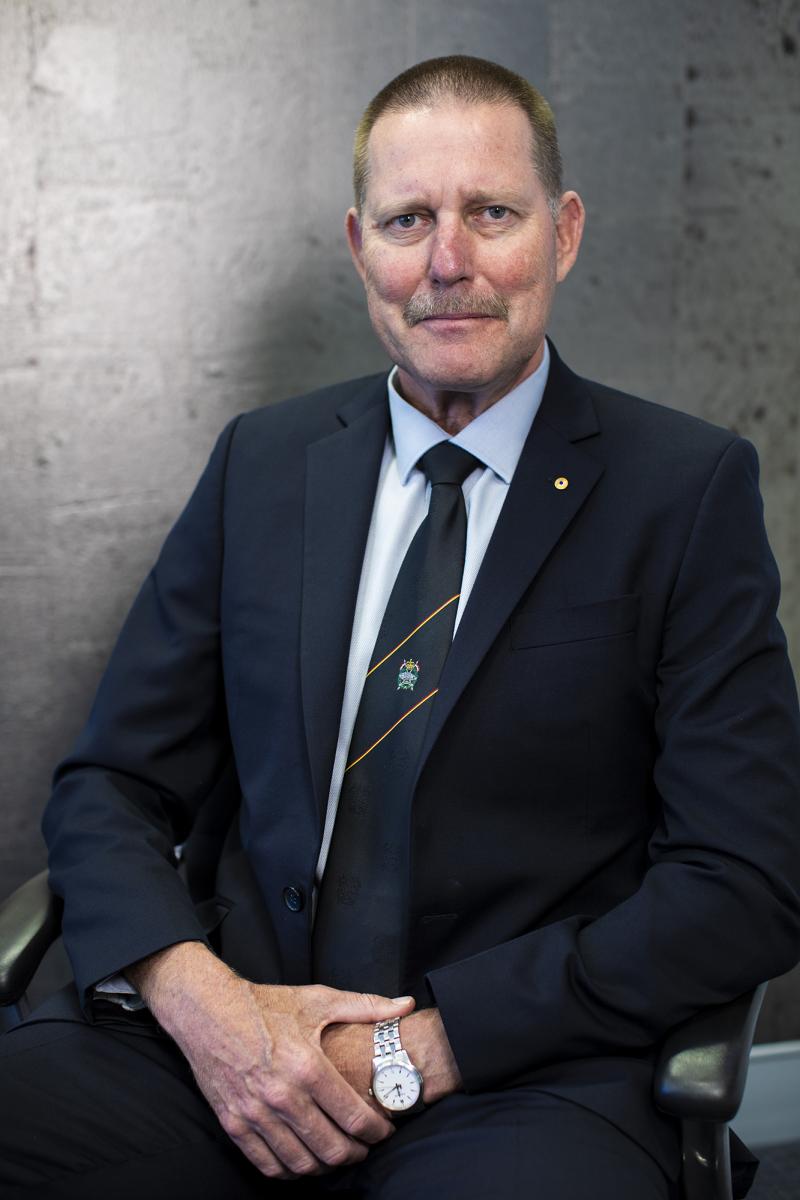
{"x": 171, "y": 195}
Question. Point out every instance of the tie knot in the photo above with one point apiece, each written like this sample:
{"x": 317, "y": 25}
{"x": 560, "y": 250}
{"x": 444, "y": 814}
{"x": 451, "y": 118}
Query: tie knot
{"x": 447, "y": 463}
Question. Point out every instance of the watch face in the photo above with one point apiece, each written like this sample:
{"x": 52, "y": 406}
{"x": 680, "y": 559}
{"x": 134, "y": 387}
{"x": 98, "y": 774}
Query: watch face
{"x": 397, "y": 1087}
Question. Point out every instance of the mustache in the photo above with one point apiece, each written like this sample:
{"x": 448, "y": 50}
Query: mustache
{"x": 421, "y": 308}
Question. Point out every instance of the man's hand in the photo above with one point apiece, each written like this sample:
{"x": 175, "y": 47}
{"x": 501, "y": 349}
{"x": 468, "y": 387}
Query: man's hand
{"x": 350, "y": 1049}
{"x": 255, "y": 1051}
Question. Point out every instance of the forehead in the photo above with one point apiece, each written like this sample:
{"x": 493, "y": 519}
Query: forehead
{"x": 479, "y": 147}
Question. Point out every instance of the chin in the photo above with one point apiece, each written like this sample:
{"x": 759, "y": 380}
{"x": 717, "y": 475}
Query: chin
{"x": 442, "y": 363}
{"x": 453, "y": 377}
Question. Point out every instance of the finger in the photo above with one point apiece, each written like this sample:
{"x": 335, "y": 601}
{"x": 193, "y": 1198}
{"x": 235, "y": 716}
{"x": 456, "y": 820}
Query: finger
{"x": 254, "y": 1148}
{"x": 345, "y": 1107}
{"x": 344, "y": 1007}
{"x": 290, "y": 1151}
{"x": 319, "y": 1128}
{"x": 306, "y": 1142}
{"x": 323, "y": 1137}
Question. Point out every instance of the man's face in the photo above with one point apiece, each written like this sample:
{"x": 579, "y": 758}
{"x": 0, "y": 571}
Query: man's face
{"x": 458, "y": 249}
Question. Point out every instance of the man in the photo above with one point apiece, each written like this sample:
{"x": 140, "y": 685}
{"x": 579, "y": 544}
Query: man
{"x": 559, "y": 835}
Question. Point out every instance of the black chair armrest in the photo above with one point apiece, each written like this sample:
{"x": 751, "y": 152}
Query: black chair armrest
{"x": 30, "y": 921}
{"x": 702, "y": 1069}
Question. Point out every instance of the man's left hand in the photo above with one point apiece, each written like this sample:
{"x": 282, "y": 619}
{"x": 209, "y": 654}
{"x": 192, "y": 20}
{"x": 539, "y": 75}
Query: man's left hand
{"x": 350, "y": 1049}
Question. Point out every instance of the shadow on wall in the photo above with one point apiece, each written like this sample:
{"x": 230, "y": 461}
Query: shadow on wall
{"x": 63, "y": 622}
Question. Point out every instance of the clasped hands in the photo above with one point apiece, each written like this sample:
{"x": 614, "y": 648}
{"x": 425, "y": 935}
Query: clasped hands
{"x": 286, "y": 1070}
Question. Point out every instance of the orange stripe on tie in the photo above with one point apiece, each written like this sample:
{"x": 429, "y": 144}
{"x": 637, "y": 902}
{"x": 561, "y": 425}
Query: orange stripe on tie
{"x": 400, "y": 645}
{"x": 419, "y": 704}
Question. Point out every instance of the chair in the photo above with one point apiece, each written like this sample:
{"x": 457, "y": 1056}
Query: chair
{"x": 699, "y": 1078}
{"x": 30, "y": 921}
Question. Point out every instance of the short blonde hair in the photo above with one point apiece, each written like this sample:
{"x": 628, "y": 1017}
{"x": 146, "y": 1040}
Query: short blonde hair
{"x": 473, "y": 81}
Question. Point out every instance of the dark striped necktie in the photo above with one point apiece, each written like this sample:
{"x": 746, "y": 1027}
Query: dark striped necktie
{"x": 359, "y": 930}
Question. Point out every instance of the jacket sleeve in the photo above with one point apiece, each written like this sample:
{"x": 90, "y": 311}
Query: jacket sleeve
{"x": 718, "y": 910}
{"x": 154, "y": 745}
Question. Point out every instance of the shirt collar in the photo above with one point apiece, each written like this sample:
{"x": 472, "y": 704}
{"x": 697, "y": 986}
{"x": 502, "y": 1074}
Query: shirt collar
{"x": 496, "y": 437}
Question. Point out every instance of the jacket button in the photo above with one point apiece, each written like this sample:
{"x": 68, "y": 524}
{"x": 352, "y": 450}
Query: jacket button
{"x": 294, "y": 899}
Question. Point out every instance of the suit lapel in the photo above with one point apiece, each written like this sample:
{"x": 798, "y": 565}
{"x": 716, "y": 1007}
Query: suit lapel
{"x": 533, "y": 518}
{"x": 342, "y": 475}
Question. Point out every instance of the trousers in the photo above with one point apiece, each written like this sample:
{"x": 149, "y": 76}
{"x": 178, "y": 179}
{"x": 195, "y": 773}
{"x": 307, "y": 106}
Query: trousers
{"x": 112, "y": 1110}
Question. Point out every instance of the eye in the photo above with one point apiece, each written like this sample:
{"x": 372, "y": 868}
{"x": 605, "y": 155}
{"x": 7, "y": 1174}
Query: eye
{"x": 497, "y": 211}
{"x": 405, "y": 221}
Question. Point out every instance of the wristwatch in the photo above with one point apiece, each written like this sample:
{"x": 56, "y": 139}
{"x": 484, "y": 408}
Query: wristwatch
{"x": 396, "y": 1082}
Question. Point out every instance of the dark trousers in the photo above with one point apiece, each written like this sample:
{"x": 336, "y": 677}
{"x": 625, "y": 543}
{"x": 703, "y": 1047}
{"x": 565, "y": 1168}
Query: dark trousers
{"x": 111, "y": 1112}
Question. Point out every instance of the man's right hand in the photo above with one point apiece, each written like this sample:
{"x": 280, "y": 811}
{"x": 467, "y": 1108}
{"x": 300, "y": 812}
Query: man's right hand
{"x": 256, "y": 1055}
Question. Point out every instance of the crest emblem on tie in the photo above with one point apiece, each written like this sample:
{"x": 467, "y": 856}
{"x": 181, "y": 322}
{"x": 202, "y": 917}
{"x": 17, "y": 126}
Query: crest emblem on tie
{"x": 409, "y": 674}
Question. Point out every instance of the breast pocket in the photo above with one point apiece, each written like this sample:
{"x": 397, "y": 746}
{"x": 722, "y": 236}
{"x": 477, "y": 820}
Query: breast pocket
{"x": 581, "y": 622}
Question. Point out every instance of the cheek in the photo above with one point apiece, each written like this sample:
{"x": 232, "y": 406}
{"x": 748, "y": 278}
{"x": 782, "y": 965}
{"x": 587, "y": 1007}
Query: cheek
{"x": 392, "y": 278}
{"x": 525, "y": 271}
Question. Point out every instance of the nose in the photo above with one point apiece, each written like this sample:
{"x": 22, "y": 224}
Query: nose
{"x": 450, "y": 260}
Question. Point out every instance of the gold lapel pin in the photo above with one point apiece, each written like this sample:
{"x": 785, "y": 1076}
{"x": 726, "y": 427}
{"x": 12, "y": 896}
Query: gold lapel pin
{"x": 561, "y": 483}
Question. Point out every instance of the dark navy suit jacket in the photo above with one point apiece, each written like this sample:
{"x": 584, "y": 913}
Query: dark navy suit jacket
{"x": 605, "y": 831}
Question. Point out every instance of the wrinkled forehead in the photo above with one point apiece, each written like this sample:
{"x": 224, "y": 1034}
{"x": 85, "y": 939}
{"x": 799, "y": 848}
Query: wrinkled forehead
{"x": 475, "y": 146}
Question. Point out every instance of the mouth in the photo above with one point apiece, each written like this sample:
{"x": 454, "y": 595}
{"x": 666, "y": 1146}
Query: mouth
{"x": 455, "y": 324}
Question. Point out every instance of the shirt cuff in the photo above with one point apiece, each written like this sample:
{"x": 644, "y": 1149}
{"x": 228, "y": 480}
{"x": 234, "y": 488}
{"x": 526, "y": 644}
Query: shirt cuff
{"x": 117, "y": 990}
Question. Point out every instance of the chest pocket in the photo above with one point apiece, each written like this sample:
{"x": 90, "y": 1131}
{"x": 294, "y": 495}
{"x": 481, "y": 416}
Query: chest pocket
{"x": 549, "y": 627}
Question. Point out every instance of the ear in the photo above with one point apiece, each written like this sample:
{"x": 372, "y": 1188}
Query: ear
{"x": 569, "y": 231}
{"x": 352, "y": 226}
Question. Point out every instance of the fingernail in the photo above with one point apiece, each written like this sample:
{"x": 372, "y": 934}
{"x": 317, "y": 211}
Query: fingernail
{"x": 402, "y": 999}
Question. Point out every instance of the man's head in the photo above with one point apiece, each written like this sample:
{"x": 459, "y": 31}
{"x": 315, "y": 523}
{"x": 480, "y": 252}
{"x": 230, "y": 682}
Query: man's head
{"x": 461, "y": 232}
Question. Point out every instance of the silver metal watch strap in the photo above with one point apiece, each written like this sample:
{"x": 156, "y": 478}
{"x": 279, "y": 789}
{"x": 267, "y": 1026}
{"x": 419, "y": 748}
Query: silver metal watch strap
{"x": 386, "y": 1038}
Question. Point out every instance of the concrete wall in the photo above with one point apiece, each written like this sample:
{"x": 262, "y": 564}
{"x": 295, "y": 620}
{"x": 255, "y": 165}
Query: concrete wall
{"x": 174, "y": 174}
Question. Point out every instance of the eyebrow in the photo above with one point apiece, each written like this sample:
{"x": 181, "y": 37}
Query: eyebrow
{"x": 500, "y": 196}
{"x": 405, "y": 204}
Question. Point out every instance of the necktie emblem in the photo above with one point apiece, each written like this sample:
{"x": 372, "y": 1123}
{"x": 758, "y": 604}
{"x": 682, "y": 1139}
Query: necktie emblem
{"x": 409, "y": 674}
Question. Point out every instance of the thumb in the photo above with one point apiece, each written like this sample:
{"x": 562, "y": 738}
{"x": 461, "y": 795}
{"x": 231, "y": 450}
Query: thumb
{"x": 366, "y": 1007}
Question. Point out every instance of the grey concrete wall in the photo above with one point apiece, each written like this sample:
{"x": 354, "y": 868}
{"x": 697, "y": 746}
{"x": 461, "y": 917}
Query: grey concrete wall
{"x": 173, "y": 175}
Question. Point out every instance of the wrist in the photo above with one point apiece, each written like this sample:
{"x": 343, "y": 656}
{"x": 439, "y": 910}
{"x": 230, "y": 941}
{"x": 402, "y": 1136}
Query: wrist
{"x": 149, "y": 975}
{"x": 426, "y": 1042}
{"x": 174, "y": 981}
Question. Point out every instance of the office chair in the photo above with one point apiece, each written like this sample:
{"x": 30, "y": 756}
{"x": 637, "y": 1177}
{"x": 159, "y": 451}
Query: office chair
{"x": 699, "y": 1078}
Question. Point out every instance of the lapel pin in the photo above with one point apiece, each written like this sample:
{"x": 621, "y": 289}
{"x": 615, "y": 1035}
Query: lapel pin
{"x": 561, "y": 483}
